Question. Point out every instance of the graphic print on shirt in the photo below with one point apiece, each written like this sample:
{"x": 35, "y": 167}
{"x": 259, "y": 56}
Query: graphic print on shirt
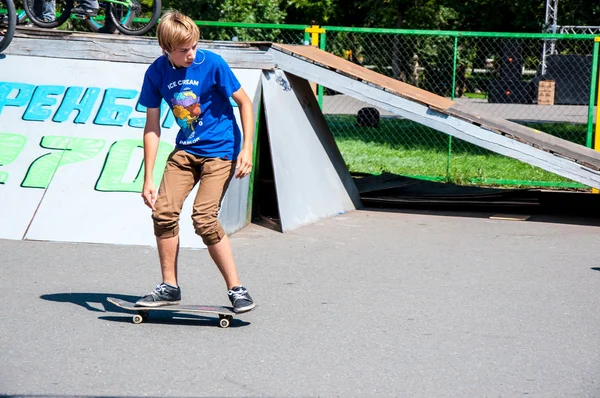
{"x": 186, "y": 109}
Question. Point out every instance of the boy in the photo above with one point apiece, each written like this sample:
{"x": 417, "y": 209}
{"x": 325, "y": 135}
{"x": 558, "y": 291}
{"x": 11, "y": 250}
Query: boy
{"x": 197, "y": 85}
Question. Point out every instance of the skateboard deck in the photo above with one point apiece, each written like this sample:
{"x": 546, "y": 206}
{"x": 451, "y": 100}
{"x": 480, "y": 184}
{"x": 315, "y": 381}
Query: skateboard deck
{"x": 225, "y": 313}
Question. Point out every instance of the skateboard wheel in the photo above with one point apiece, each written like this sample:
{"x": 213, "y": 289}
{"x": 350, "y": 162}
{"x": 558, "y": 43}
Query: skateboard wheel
{"x": 138, "y": 319}
{"x": 224, "y": 322}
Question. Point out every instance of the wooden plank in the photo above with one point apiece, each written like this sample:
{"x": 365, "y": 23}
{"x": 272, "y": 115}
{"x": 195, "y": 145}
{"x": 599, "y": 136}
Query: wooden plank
{"x": 120, "y": 48}
{"x": 525, "y": 134}
{"x": 439, "y": 120}
{"x": 510, "y": 217}
{"x": 358, "y": 72}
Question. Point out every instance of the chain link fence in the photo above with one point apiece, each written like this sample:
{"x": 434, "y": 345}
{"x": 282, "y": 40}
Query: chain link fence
{"x": 536, "y": 80}
{"x": 505, "y": 76}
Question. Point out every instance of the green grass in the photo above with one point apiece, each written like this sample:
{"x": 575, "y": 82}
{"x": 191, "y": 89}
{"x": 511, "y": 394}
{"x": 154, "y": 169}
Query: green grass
{"x": 475, "y": 95}
{"x": 403, "y": 147}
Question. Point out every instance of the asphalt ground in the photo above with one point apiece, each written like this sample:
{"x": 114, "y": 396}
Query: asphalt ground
{"x": 368, "y": 303}
{"x": 532, "y": 113}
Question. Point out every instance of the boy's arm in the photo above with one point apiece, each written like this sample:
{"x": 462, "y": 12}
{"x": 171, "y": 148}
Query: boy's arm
{"x": 244, "y": 161}
{"x": 151, "y": 142}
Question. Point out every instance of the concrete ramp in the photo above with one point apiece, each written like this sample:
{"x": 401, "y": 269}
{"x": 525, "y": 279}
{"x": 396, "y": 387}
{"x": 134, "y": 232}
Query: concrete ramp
{"x": 537, "y": 148}
{"x": 311, "y": 178}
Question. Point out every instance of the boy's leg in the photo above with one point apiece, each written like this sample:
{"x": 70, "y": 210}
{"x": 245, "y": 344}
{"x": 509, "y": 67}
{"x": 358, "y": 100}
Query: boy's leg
{"x": 48, "y": 10}
{"x": 179, "y": 178}
{"x": 168, "y": 253}
{"x": 214, "y": 180}
{"x": 87, "y": 7}
{"x": 222, "y": 255}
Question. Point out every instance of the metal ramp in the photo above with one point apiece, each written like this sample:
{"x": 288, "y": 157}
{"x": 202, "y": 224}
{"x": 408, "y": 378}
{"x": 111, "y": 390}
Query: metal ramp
{"x": 537, "y": 148}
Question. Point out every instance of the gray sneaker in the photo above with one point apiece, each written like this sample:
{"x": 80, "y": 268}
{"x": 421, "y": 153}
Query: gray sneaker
{"x": 240, "y": 299}
{"x": 162, "y": 294}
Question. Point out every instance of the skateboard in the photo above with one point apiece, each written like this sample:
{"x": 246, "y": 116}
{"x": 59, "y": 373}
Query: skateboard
{"x": 225, "y": 313}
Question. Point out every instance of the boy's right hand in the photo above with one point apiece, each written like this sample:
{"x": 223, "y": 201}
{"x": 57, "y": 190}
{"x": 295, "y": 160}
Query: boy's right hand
{"x": 149, "y": 194}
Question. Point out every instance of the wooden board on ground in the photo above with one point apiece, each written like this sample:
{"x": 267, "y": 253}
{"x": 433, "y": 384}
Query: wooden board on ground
{"x": 510, "y": 217}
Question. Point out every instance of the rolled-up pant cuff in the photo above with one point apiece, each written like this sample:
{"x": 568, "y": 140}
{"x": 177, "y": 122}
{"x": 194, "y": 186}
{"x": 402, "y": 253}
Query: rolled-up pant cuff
{"x": 212, "y": 238}
{"x": 166, "y": 233}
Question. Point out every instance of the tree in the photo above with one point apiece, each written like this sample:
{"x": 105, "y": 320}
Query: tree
{"x": 250, "y": 11}
{"x": 247, "y": 11}
{"x": 578, "y": 13}
{"x": 499, "y": 16}
{"x": 307, "y": 12}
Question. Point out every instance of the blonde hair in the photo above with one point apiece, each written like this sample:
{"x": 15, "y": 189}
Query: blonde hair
{"x": 176, "y": 29}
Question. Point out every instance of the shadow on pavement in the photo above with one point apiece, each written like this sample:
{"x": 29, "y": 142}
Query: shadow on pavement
{"x": 86, "y": 299}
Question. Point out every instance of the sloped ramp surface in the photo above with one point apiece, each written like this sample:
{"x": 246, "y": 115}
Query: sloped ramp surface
{"x": 537, "y": 148}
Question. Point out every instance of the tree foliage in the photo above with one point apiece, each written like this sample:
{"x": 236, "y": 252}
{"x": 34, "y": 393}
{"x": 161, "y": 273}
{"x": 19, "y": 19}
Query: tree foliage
{"x": 468, "y": 15}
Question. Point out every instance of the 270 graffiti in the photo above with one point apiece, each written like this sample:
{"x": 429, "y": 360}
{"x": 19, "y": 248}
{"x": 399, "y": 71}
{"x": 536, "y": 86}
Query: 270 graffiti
{"x": 69, "y": 150}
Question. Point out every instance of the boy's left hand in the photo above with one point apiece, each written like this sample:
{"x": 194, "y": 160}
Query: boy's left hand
{"x": 243, "y": 164}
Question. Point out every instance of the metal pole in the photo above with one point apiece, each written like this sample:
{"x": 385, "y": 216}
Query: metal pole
{"x": 550, "y": 26}
{"x": 322, "y": 46}
{"x": 452, "y": 96}
{"x": 592, "y": 103}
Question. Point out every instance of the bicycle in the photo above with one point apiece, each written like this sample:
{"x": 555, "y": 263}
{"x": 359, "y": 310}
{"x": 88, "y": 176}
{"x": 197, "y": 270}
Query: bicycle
{"x": 98, "y": 23}
{"x": 130, "y": 17}
{"x": 102, "y": 23}
{"x": 8, "y": 23}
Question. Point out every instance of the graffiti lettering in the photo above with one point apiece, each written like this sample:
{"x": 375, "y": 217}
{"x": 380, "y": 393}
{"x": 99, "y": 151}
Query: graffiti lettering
{"x": 118, "y": 161}
{"x": 10, "y": 147}
{"x": 111, "y": 113}
{"x": 112, "y": 178}
{"x": 21, "y": 98}
{"x": 84, "y": 107}
{"x": 42, "y": 102}
{"x": 41, "y": 99}
{"x": 139, "y": 122}
{"x": 72, "y": 150}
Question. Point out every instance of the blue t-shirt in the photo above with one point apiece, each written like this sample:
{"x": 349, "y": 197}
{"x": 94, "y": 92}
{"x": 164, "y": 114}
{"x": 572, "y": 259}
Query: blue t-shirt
{"x": 199, "y": 98}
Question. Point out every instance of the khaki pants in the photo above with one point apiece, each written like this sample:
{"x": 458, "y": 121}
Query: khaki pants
{"x": 182, "y": 172}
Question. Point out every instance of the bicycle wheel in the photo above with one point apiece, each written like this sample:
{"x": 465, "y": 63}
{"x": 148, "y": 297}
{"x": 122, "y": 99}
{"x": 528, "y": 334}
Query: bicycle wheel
{"x": 144, "y": 15}
{"x": 103, "y": 23}
{"x": 8, "y": 23}
{"x": 48, "y": 13}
